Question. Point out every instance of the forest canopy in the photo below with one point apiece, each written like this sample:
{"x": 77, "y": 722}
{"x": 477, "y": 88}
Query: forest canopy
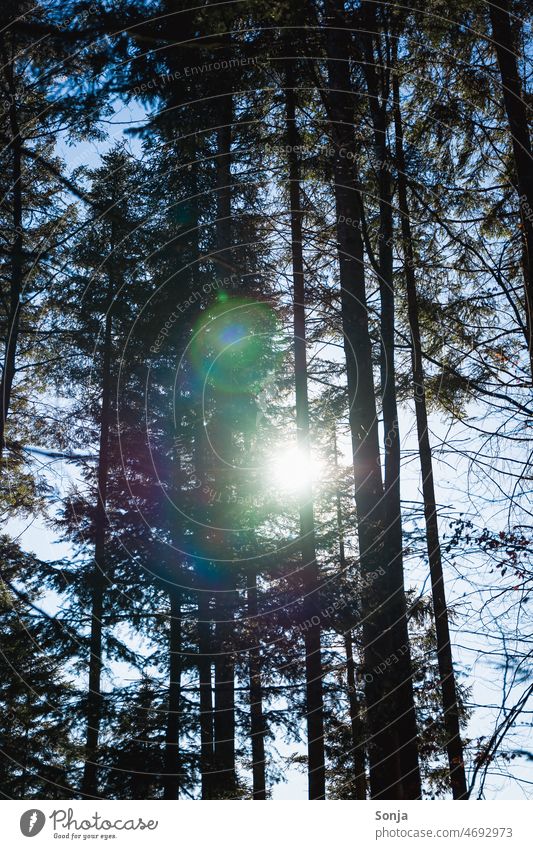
{"x": 266, "y": 315}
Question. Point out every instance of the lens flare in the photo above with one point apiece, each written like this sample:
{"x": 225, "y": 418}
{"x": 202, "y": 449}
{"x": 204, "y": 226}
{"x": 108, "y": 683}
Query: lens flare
{"x": 233, "y": 348}
{"x": 291, "y": 470}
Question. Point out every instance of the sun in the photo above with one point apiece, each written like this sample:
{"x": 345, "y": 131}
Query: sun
{"x": 292, "y": 471}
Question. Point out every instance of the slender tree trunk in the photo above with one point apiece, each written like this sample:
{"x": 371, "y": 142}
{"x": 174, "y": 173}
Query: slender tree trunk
{"x": 454, "y": 744}
{"x": 204, "y": 595}
{"x": 221, "y": 444}
{"x": 401, "y": 672}
{"x": 97, "y": 579}
{"x": 257, "y": 720}
{"x": 17, "y": 272}
{"x": 357, "y": 725}
{"x": 517, "y": 116}
{"x": 203, "y": 578}
{"x": 313, "y": 660}
{"x": 358, "y": 729}
{"x": 225, "y": 778}
{"x": 172, "y": 739}
{"x": 207, "y": 750}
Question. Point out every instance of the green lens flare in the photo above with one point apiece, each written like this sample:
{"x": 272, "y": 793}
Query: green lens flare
{"x": 234, "y": 345}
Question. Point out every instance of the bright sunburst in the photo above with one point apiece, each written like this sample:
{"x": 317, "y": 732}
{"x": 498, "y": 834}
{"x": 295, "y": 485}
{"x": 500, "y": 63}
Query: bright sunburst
{"x": 290, "y": 470}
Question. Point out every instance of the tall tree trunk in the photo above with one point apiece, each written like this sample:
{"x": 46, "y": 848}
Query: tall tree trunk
{"x": 225, "y": 777}
{"x": 17, "y": 271}
{"x": 357, "y": 725}
{"x": 517, "y": 116}
{"x": 205, "y": 663}
{"x": 207, "y": 750}
{"x": 454, "y": 746}
{"x": 221, "y": 439}
{"x": 97, "y": 578}
{"x": 313, "y": 660}
{"x": 203, "y": 578}
{"x": 172, "y": 737}
{"x": 383, "y": 706}
{"x": 401, "y": 672}
{"x": 257, "y": 720}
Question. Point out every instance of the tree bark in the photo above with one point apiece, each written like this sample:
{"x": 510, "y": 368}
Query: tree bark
{"x": 517, "y": 116}
{"x": 357, "y": 725}
{"x": 17, "y": 271}
{"x": 313, "y": 660}
{"x": 257, "y": 720}
{"x": 97, "y": 579}
{"x": 206, "y": 695}
{"x": 454, "y": 746}
{"x": 225, "y": 777}
{"x": 205, "y": 661}
{"x": 172, "y": 739}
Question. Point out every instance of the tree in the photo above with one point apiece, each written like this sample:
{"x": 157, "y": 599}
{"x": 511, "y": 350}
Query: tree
{"x": 516, "y": 110}
{"x": 314, "y": 674}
